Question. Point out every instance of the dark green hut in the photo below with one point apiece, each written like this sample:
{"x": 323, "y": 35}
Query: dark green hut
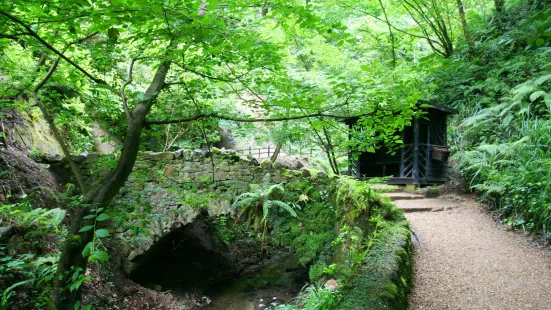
{"x": 424, "y": 158}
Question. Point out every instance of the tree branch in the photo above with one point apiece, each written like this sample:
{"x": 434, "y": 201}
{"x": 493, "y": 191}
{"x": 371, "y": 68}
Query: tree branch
{"x": 389, "y": 24}
{"x": 50, "y": 47}
{"x": 252, "y": 120}
{"x": 54, "y": 129}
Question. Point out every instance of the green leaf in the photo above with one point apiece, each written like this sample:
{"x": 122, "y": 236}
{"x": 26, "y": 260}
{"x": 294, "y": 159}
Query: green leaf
{"x": 86, "y": 228}
{"x": 77, "y": 305}
{"x": 102, "y": 217}
{"x": 87, "y": 249}
{"x": 99, "y": 255}
{"x": 102, "y": 233}
{"x": 536, "y": 95}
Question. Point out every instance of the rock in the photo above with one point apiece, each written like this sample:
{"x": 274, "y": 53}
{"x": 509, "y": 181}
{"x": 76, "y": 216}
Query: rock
{"x": 331, "y": 284}
{"x": 266, "y": 164}
{"x": 321, "y": 175}
{"x": 53, "y": 158}
{"x": 170, "y": 171}
{"x": 79, "y": 159}
{"x": 17, "y": 245}
{"x": 162, "y": 156}
{"x": 306, "y": 173}
{"x": 5, "y": 233}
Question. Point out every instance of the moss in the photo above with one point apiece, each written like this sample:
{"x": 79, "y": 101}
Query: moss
{"x": 384, "y": 278}
{"x": 75, "y": 240}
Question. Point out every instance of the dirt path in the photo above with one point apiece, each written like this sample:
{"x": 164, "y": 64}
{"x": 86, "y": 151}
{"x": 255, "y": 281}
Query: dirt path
{"x": 465, "y": 260}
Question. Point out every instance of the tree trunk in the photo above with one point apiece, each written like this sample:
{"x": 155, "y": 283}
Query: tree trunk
{"x": 391, "y": 35}
{"x": 276, "y": 152}
{"x": 331, "y": 153}
{"x": 499, "y": 4}
{"x": 466, "y": 31}
{"x": 54, "y": 129}
{"x": 71, "y": 255}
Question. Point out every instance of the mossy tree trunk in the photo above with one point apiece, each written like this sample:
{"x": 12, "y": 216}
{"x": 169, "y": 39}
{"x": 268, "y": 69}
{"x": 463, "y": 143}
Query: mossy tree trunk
{"x": 466, "y": 32}
{"x": 71, "y": 255}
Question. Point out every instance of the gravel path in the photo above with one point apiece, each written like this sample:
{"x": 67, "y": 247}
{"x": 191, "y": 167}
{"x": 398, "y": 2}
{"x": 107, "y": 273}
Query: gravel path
{"x": 465, "y": 260}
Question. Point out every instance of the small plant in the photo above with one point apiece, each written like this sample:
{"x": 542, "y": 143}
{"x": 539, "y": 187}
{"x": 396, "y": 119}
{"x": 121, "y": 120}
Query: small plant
{"x": 315, "y": 298}
{"x": 257, "y": 203}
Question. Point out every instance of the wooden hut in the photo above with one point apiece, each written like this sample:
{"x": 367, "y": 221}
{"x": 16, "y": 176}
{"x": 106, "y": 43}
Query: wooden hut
{"x": 423, "y": 160}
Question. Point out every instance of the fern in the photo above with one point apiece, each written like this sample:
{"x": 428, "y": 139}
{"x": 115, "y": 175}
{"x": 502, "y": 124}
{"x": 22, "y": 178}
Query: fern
{"x": 536, "y": 95}
{"x": 542, "y": 80}
{"x": 258, "y": 203}
{"x": 8, "y": 293}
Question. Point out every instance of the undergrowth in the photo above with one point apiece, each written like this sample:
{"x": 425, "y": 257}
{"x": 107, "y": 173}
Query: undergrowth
{"x": 502, "y": 135}
{"x": 28, "y": 259}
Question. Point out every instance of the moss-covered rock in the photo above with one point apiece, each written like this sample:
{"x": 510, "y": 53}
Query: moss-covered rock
{"x": 384, "y": 278}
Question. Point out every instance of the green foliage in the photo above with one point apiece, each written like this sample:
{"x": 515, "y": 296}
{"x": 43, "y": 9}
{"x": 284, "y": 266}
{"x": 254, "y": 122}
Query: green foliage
{"x": 502, "y": 134}
{"x": 383, "y": 279}
{"x": 314, "y": 298}
{"x": 257, "y": 204}
{"x": 20, "y": 268}
{"x": 353, "y": 198}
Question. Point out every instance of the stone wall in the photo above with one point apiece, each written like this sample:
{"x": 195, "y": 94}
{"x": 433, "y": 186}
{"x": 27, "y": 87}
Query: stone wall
{"x": 385, "y": 274}
{"x": 169, "y": 190}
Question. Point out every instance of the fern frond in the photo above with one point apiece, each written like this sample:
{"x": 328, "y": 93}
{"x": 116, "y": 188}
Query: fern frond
{"x": 541, "y": 80}
{"x": 268, "y": 204}
{"x": 536, "y": 95}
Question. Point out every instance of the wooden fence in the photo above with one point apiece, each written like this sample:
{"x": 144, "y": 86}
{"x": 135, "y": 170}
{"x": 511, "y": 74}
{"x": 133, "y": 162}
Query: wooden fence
{"x": 259, "y": 153}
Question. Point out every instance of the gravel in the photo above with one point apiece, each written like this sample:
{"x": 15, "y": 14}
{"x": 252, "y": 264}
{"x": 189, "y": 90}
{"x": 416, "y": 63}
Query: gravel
{"x": 466, "y": 260}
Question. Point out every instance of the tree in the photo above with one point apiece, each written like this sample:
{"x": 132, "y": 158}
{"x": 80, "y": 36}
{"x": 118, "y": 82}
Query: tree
{"x": 132, "y": 58}
{"x": 159, "y": 35}
{"x": 466, "y": 32}
{"x": 433, "y": 19}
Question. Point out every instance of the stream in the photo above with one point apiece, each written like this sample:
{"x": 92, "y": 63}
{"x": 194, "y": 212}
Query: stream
{"x": 274, "y": 283}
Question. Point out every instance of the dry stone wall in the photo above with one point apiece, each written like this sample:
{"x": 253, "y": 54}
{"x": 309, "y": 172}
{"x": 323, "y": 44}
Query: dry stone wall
{"x": 169, "y": 190}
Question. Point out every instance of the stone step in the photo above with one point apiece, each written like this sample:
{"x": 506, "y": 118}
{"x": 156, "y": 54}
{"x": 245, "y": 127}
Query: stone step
{"x": 403, "y": 196}
{"x": 426, "y": 205}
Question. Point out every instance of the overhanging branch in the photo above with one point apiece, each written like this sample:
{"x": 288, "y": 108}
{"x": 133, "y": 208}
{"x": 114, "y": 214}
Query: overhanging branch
{"x": 50, "y": 47}
{"x": 253, "y": 120}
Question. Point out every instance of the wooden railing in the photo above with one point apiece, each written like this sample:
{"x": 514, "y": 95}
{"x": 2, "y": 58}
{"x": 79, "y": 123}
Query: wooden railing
{"x": 409, "y": 165}
{"x": 267, "y": 152}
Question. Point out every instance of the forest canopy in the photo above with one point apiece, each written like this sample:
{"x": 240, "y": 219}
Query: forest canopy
{"x": 161, "y": 75}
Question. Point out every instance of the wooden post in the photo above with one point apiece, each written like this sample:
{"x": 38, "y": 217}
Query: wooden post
{"x": 251, "y": 151}
{"x": 268, "y": 151}
{"x": 402, "y": 161}
{"x": 416, "y": 151}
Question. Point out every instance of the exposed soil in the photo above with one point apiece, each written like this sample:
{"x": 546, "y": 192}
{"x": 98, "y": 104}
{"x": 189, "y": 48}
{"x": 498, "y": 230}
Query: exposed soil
{"x": 21, "y": 176}
{"x": 465, "y": 259}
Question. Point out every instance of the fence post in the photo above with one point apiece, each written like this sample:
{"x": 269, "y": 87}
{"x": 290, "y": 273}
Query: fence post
{"x": 268, "y": 151}
{"x": 251, "y": 151}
